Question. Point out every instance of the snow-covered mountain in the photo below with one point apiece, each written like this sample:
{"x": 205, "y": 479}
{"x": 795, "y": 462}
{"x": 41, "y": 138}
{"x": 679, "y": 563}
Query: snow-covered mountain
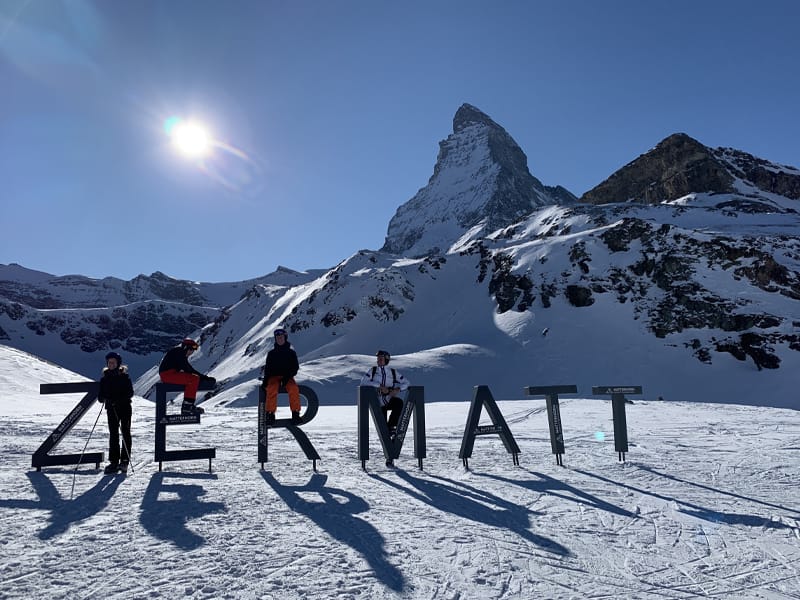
{"x": 480, "y": 183}
{"x": 680, "y": 273}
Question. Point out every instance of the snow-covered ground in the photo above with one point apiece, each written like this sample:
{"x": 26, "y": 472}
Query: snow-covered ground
{"x": 705, "y": 506}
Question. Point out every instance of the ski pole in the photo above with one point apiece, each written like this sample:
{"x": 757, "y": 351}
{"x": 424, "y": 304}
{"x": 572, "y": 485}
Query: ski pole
{"x": 75, "y": 472}
{"x": 122, "y": 437}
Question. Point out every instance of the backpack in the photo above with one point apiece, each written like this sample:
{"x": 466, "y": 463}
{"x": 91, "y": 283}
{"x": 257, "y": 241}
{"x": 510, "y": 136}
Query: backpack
{"x": 394, "y": 375}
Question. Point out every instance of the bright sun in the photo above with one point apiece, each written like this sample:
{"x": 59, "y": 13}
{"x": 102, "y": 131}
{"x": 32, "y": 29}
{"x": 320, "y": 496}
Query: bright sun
{"x": 191, "y": 139}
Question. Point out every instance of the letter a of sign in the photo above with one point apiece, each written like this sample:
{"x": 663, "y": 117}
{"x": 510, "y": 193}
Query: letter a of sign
{"x": 483, "y": 397}
{"x": 42, "y": 458}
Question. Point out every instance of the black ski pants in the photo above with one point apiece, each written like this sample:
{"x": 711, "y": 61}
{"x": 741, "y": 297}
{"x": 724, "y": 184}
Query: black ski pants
{"x": 394, "y": 407}
{"x": 119, "y": 418}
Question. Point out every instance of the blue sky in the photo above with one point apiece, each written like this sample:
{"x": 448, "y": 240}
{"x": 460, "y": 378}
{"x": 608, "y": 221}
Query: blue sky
{"x": 327, "y": 115}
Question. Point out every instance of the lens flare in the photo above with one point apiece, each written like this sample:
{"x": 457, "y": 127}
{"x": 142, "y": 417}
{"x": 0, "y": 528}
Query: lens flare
{"x": 170, "y": 123}
{"x": 232, "y": 168}
{"x": 223, "y": 163}
{"x": 599, "y": 436}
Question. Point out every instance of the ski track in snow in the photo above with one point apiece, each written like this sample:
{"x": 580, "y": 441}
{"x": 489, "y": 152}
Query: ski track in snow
{"x": 705, "y": 506}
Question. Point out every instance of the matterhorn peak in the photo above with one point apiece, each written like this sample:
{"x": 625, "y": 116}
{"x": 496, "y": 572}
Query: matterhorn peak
{"x": 480, "y": 183}
{"x": 468, "y": 115}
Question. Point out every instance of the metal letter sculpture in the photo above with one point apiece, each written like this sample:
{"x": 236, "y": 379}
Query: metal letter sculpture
{"x": 414, "y": 404}
{"x": 483, "y": 397}
{"x": 618, "y": 413}
{"x": 551, "y": 392}
{"x": 41, "y": 458}
{"x": 163, "y": 419}
{"x": 312, "y": 406}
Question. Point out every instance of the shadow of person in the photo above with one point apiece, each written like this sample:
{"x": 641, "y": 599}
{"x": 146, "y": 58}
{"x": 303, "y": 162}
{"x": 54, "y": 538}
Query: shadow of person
{"x": 167, "y": 519}
{"x": 338, "y": 519}
{"x": 555, "y": 487}
{"x": 64, "y": 512}
{"x": 471, "y": 503}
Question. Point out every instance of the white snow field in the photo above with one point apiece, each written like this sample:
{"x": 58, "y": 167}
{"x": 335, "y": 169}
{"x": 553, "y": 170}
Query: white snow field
{"x": 706, "y": 505}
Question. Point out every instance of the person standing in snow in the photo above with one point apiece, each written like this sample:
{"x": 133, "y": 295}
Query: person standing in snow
{"x": 116, "y": 393}
{"x": 389, "y": 383}
{"x": 175, "y": 368}
{"x": 279, "y": 370}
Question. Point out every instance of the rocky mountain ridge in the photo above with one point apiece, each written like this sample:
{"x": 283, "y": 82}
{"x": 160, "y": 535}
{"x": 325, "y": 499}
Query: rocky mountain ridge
{"x": 680, "y": 165}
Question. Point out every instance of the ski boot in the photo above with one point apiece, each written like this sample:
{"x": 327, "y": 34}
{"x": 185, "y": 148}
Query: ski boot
{"x": 188, "y": 408}
{"x": 111, "y": 468}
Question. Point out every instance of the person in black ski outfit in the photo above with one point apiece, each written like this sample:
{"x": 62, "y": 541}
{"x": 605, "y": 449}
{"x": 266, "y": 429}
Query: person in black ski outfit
{"x": 175, "y": 368}
{"x": 279, "y": 370}
{"x": 116, "y": 393}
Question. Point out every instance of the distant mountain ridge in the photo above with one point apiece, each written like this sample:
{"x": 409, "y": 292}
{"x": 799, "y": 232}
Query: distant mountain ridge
{"x": 71, "y": 319}
{"x": 680, "y": 272}
{"x": 42, "y": 290}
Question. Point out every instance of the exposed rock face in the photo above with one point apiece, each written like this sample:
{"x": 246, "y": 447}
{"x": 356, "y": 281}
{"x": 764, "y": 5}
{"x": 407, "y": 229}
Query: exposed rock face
{"x": 766, "y": 176}
{"x": 678, "y": 166}
{"x": 481, "y": 178}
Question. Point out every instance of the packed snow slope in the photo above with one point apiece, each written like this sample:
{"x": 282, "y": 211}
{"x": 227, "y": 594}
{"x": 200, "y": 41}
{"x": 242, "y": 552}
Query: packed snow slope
{"x": 704, "y": 506}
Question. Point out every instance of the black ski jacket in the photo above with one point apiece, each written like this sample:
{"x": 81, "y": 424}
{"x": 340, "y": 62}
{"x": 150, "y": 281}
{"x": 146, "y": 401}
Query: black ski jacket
{"x": 176, "y": 359}
{"x": 116, "y": 386}
{"x": 281, "y": 362}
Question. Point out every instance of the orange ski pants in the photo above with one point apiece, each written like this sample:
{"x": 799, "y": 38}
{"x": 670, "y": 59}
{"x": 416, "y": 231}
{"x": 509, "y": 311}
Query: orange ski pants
{"x": 273, "y": 385}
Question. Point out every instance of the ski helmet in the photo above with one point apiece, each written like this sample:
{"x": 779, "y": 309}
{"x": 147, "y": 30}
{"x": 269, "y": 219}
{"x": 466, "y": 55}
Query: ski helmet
{"x": 116, "y": 356}
{"x": 282, "y": 332}
{"x": 386, "y": 356}
{"x": 190, "y": 343}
